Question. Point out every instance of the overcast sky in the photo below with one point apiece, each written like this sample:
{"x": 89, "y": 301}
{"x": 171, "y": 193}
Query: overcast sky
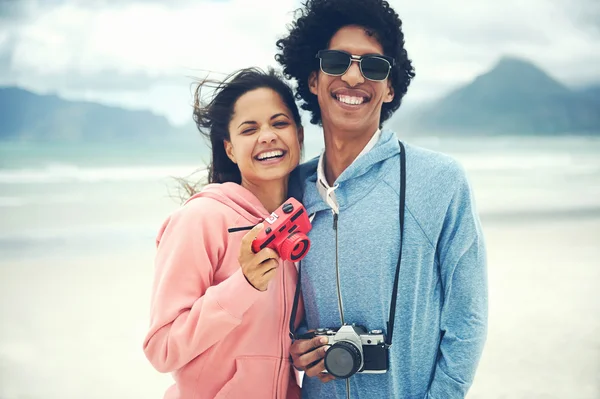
{"x": 144, "y": 54}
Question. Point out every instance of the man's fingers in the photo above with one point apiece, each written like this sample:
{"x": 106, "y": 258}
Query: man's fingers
{"x": 297, "y": 347}
{"x": 305, "y": 361}
{"x": 317, "y": 369}
{"x": 303, "y": 346}
{"x": 317, "y": 342}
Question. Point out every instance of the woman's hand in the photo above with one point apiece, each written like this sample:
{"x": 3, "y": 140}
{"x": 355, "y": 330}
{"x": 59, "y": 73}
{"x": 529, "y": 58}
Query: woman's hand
{"x": 259, "y": 268}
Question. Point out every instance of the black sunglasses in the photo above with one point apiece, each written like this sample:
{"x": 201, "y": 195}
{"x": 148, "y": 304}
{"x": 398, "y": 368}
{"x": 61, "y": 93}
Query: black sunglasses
{"x": 372, "y": 66}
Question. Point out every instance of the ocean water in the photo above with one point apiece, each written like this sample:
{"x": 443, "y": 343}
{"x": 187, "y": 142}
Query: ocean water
{"x": 77, "y": 241}
{"x": 104, "y": 193}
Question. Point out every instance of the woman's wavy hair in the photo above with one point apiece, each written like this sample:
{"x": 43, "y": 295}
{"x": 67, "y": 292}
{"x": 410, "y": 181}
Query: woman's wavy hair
{"x": 314, "y": 26}
{"x": 212, "y": 117}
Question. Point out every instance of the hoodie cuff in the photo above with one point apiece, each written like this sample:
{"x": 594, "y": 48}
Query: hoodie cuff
{"x": 237, "y": 294}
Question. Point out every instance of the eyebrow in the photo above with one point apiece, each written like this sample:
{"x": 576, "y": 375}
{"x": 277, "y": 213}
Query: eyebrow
{"x": 279, "y": 114}
{"x": 363, "y": 55}
{"x": 254, "y": 122}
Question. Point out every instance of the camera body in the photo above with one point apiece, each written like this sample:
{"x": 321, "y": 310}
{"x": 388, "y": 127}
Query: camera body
{"x": 285, "y": 231}
{"x": 353, "y": 349}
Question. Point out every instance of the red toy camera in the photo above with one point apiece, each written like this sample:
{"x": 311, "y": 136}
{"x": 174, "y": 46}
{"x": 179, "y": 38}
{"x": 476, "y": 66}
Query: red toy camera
{"x": 285, "y": 232}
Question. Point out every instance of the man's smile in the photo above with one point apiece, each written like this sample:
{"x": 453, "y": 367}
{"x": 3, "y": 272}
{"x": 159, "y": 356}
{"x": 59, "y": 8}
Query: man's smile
{"x": 351, "y": 97}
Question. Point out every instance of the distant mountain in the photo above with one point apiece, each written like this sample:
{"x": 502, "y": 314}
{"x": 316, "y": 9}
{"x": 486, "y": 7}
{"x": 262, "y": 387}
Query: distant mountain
{"x": 592, "y": 92}
{"x": 514, "y": 97}
{"x": 28, "y": 116}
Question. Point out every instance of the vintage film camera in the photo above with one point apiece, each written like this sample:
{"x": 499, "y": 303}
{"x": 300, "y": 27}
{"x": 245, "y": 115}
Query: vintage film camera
{"x": 353, "y": 350}
{"x": 285, "y": 232}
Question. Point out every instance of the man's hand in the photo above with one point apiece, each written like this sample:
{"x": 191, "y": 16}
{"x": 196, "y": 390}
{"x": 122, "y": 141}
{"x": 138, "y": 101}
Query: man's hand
{"x": 307, "y": 355}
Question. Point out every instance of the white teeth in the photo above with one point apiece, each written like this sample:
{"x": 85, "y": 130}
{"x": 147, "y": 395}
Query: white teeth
{"x": 350, "y": 100}
{"x": 270, "y": 154}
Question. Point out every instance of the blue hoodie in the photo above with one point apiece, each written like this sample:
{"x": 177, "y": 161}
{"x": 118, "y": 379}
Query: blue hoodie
{"x": 441, "y": 311}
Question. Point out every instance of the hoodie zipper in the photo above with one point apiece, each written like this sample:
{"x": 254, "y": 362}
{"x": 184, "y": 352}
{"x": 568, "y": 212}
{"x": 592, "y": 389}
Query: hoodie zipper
{"x": 337, "y": 268}
{"x": 339, "y": 291}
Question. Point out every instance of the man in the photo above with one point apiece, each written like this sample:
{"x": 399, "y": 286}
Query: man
{"x": 349, "y": 61}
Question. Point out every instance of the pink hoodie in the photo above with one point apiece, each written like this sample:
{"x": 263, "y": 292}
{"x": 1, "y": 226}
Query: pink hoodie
{"x": 219, "y": 336}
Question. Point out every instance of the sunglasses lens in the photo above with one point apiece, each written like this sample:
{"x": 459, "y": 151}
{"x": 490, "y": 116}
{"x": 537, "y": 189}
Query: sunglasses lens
{"x": 375, "y": 68}
{"x": 334, "y": 63}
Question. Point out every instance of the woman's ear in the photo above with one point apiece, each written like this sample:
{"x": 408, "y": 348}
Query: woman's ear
{"x": 229, "y": 150}
{"x": 312, "y": 82}
{"x": 300, "y": 135}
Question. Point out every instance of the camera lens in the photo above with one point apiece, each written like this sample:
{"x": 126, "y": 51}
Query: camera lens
{"x": 299, "y": 250}
{"x": 343, "y": 359}
{"x": 294, "y": 247}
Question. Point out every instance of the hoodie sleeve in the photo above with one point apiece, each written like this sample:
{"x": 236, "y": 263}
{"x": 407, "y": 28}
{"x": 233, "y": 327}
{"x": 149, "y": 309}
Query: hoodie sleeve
{"x": 188, "y": 313}
{"x": 462, "y": 258}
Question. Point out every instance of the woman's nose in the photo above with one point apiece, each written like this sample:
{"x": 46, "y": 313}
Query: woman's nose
{"x": 267, "y": 135}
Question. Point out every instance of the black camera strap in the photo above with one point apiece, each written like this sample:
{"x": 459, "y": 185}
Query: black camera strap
{"x": 390, "y": 323}
{"x": 295, "y": 305}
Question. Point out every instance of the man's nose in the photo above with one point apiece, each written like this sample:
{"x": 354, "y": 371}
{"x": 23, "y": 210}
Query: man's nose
{"x": 353, "y": 76}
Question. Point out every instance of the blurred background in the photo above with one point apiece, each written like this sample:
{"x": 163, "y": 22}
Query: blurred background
{"x": 95, "y": 121}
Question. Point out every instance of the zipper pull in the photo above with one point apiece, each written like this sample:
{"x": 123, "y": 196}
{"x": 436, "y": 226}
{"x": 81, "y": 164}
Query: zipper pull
{"x": 335, "y": 218}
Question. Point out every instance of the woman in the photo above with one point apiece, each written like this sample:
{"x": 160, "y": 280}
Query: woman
{"x": 219, "y": 312}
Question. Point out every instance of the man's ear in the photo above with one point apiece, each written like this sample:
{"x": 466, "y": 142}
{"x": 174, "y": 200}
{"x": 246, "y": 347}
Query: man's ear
{"x": 229, "y": 150}
{"x": 390, "y": 92}
{"x": 312, "y": 82}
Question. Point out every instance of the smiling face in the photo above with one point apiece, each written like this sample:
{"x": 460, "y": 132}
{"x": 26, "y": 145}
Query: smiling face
{"x": 264, "y": 139}
{"x": 350, "y": 103}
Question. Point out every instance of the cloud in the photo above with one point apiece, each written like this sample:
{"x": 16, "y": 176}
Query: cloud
{"x": 150, "y": 36}
{"x": 110, "y": 52}
{"x": 452, "y": 42}
{"x": 586, "y": 13}
{"x": 144, "y": 52}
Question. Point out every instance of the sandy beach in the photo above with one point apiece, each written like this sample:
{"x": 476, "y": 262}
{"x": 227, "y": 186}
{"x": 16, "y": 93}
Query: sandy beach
{"x": 73, "y": 328}
{"x": 544, "y": 329}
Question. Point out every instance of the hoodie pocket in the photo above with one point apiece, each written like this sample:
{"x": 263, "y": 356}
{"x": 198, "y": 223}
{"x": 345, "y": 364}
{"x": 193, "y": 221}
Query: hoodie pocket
{"x": 255, "y": 377}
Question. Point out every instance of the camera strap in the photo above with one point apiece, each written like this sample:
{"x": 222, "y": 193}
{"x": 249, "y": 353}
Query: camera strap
{"x": 390, "y": 323}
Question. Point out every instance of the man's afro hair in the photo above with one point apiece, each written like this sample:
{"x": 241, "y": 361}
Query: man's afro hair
{"x": 314, "y": 26}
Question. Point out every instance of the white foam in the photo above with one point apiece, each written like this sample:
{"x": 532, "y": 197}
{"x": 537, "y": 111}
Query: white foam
{"x": 64, "y": 173}
{"x": 15, "y": 202}
{"x": 528, "y": 162}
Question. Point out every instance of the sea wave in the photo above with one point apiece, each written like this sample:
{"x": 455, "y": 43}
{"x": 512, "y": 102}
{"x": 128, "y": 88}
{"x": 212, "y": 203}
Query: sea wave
{"x": 65, "y": 173}
{"x": 14, "y": 201}
{"x": 562, "y": 163}
{"x": 77, "y": 237}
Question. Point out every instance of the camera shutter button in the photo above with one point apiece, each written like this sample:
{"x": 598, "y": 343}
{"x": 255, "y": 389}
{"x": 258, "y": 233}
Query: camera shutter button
{"x": 288, "y": 208}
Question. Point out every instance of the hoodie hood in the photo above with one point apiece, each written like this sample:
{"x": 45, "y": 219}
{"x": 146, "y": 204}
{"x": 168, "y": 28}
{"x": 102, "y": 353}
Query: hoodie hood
{"x": 235, "y": 197}
{"x": 364, "y": 174}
